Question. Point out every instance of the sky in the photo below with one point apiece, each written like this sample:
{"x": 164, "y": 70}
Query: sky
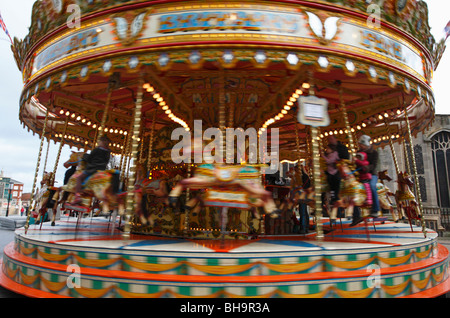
{"x": 19, "y": 148}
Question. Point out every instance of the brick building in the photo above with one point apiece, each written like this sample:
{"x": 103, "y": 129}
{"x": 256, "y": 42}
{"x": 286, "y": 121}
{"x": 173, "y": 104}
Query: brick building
{"x": 10, "y": 193}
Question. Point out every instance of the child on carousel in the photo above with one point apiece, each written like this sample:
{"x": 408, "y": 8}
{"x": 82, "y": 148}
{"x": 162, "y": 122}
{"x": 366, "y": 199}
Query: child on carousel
{"x": 98, "y": 159}
{"x": 364, "y": 175}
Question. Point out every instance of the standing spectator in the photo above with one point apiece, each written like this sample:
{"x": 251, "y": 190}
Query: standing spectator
{"x": 331, "y": 157}
{"x": 340, "y": 148}
{"x": 372, "y": 158}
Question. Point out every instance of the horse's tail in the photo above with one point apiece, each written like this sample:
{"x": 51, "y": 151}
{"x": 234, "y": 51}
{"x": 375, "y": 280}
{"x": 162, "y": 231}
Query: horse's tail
{"x": 115, "y": 181}
{"x": 167, "y": 187}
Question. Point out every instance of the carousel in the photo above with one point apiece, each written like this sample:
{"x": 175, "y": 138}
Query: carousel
{"x": 210, "y": 219}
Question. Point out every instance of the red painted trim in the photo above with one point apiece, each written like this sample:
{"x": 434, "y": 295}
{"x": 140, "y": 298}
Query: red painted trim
{"x": 17, "y": 288}
{"x": 433, "y": 292}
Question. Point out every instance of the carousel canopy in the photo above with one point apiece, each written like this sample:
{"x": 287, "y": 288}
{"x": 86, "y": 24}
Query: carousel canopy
{"x": 252, "y": 59}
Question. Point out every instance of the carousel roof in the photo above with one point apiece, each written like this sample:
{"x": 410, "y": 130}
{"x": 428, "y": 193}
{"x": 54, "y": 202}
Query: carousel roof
{"x": 252, "y": 58}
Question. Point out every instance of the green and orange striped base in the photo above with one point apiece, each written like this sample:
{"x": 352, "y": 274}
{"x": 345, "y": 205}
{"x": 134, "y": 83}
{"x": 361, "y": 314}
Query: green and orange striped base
{"x": 92, "y": 260}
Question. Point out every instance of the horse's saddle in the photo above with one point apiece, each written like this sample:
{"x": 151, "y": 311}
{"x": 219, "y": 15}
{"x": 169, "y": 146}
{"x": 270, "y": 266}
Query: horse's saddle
{"x": 405, "y": 195}
{"x": 227, "y": 173}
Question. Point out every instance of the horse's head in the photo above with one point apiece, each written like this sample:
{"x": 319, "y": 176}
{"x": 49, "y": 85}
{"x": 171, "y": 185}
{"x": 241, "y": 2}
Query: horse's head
{"x": 344, "y": 167}
{"x": 47, "y": 179}
{"x": 406, "y": 179}
{"x": 74, "y": 159}
{"x": 382, "y": 175}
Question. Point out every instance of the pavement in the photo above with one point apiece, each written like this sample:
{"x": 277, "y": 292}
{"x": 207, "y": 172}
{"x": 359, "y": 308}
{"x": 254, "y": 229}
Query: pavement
{"x": 7, "y": 236}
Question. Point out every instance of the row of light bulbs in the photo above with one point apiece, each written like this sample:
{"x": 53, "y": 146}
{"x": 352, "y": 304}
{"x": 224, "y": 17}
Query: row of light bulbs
{"x": 299, "y": 92}
{"x": 207, "y": 230}
{"x": 150, "y": 89}
{"x": 82, "y": 140}
{"x": 83, "y": 120}
{"x": 288, "y": 105}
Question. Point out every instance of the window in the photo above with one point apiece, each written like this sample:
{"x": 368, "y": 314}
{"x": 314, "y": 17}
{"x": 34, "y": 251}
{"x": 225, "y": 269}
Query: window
{"x": 441, "y": 163}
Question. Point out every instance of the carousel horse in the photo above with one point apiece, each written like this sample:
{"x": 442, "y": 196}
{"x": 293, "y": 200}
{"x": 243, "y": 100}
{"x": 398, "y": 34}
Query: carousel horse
{"x": 405, "y": 198}
{"x": 352, "y": 193}
{"x": 74, "y": 164}
{"x": 156, "y": 189}
{"x": 102, "y": 185}
{"x": 384, "y": 194}
{"x": 231, "y": 180}
{"x": 45, "y": 199}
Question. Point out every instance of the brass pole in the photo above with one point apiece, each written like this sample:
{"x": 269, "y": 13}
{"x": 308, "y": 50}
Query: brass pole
{"x": 394, "y": 157}
{"x": 308, "y": 150}
{"x": 316, "y": 173}
{"x": 391, "y": 144}
{"x": 297, "y": 141}
{"x": 131, "y": 204}
{"x": 150, "y": 144}
{"x": 101, "y": 129}
{"x": 142, "y": 139}
{"x": 416, "y": 179}
{"x": 347, "y": 123}
{"x": 60, "y": 147}
{"x": 317, "y": 182}
{"x": 122, "y": 157}
{"x": 222, "y": 117}
{"x": 46, "y": 157}
{"x": 231, "y": 155}
{"x": 27, "y": 223}
{"x": 405, "y": 153}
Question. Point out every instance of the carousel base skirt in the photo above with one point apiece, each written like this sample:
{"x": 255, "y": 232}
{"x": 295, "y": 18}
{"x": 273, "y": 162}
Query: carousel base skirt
{"x": 92, "y": 259}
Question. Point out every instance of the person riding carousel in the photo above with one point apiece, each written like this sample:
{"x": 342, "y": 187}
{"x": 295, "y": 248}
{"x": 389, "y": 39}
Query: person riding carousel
{"x": 98, "y": 159}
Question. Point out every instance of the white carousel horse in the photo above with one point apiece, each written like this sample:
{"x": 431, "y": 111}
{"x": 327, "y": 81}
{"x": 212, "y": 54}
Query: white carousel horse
{"x": 231, "y": 179}
{"x": 352, "y": 193}
{"x": 384, "y": 194}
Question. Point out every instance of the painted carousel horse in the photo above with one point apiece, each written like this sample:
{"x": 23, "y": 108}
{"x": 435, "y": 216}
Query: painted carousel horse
{"x": 156, "y": 190}
{"x": 227, "y": 183}
{"x": 384, "y": 194}
{"x": 405, "y": 198}
{"x": 352, "y": 193}
{"x": 73, "y": 164}
{"x": 300, "y": 196}
{"x": 44, "y": 199}
{"x": 102, "y": 185}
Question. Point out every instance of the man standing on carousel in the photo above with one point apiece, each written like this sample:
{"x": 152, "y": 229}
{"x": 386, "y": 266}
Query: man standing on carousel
{"x": 372, "y": 158}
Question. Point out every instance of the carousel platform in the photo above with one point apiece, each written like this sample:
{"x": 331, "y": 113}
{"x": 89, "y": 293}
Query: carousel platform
{"x": 91, "y": 259}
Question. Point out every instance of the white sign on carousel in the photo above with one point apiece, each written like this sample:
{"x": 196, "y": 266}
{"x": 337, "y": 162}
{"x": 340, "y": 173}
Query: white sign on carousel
{"x": 313, "y": 111}
{"x": 344, "y": 34}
